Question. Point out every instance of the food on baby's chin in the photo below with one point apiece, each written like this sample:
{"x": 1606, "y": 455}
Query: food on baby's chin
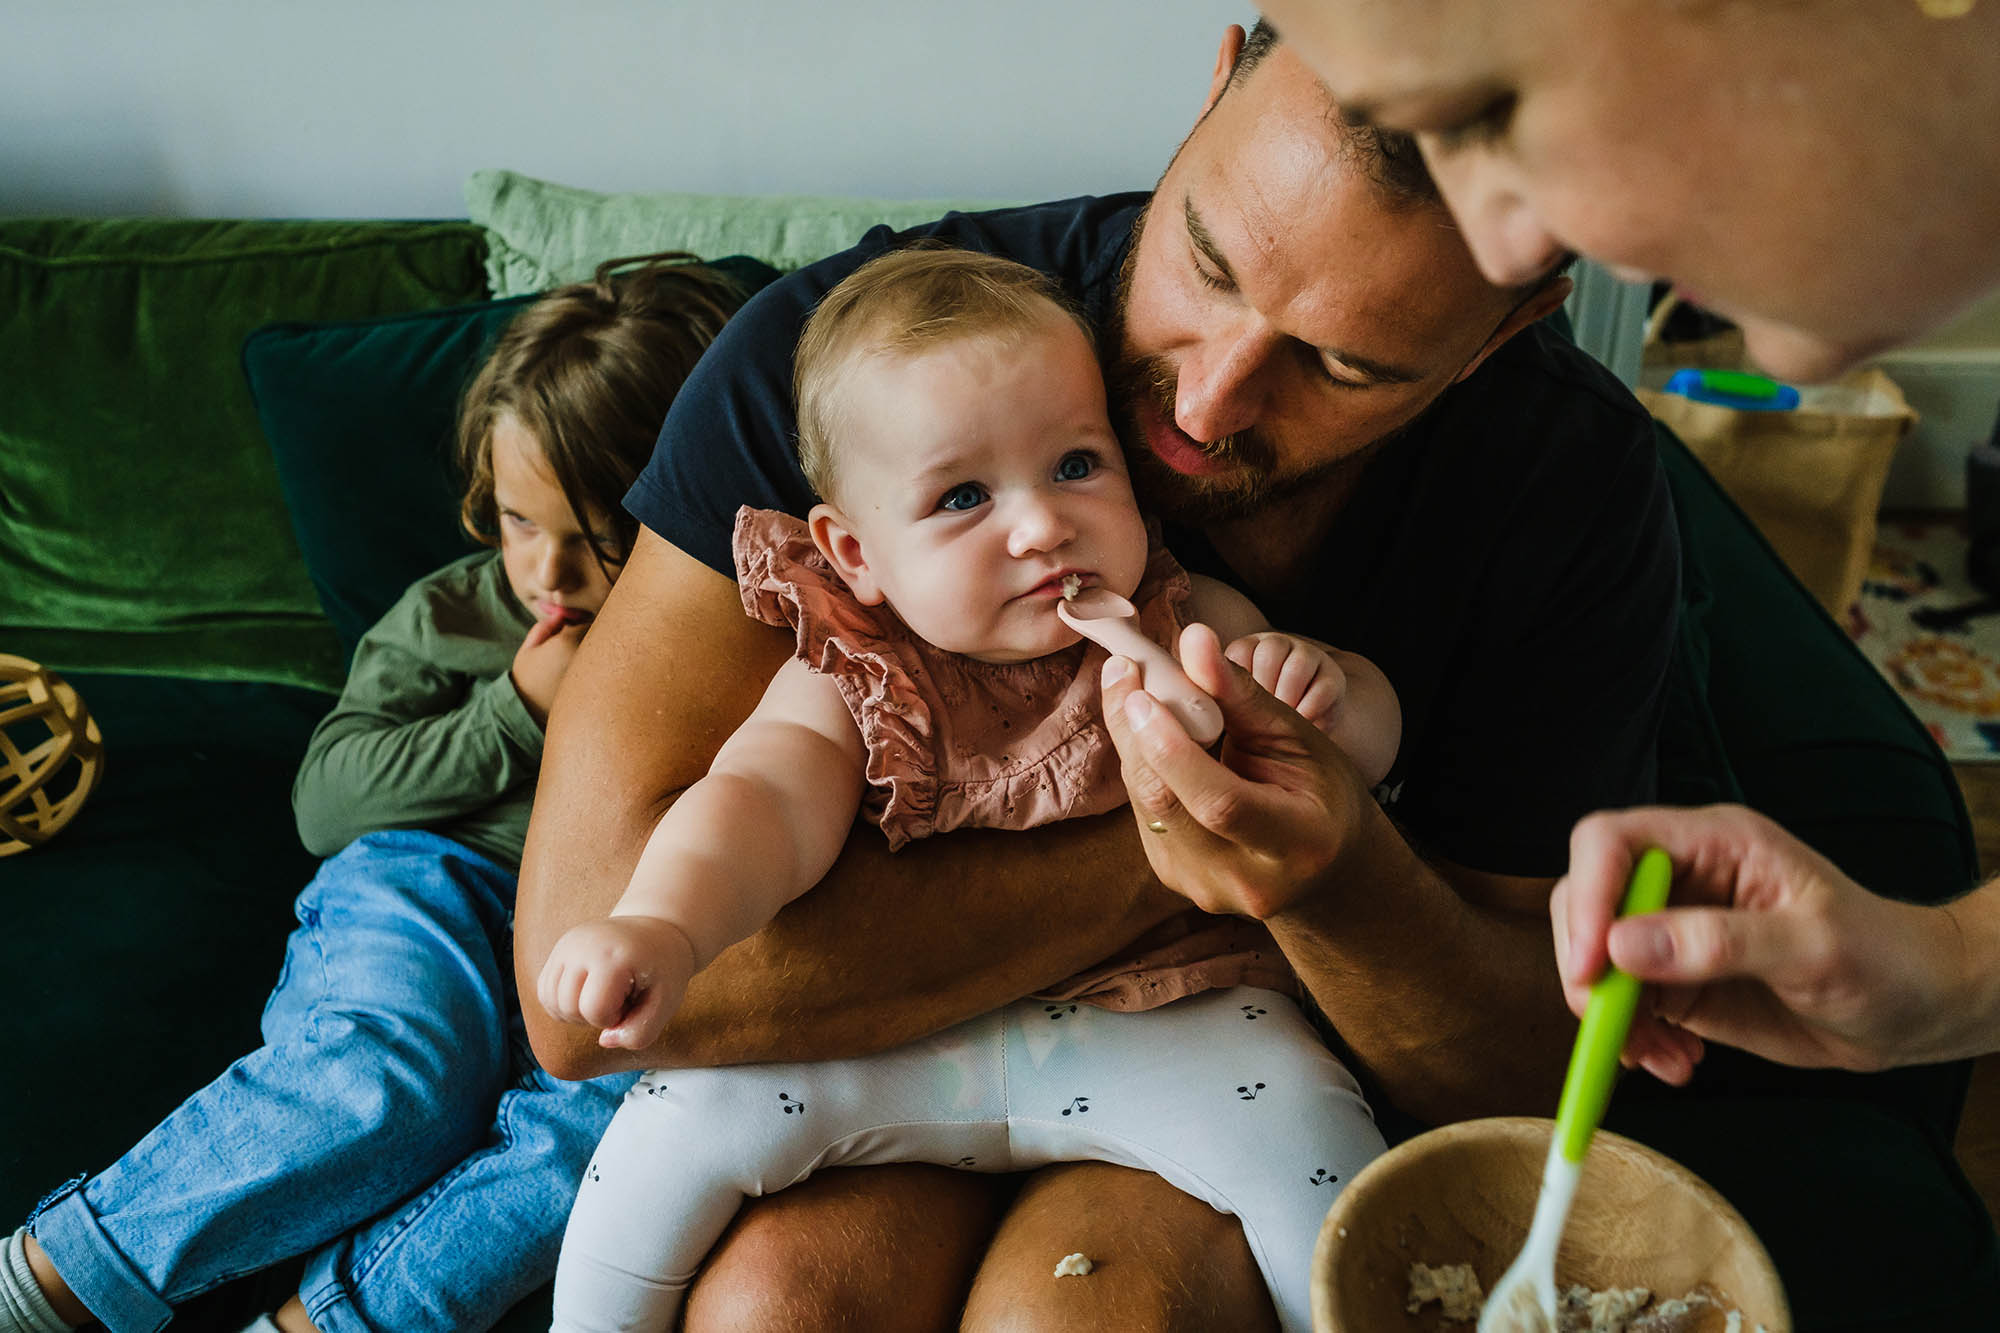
{"x": 1074, "y": 1265}
{"x": 1455, "y": 1287}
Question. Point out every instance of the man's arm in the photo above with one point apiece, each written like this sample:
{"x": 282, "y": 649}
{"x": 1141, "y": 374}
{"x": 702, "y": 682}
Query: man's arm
{"x": 886, "y": 949}
{"x": 1417, "y": 973}
{"x": 1418, "y": 963}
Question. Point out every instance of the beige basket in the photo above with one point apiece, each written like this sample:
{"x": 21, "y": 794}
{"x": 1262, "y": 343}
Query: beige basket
{"x": 1811, "y": 478}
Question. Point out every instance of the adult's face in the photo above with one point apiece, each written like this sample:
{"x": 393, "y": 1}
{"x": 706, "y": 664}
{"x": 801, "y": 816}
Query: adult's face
{"x": 1280, "y": 313}
{"x": 1823, "y": 173}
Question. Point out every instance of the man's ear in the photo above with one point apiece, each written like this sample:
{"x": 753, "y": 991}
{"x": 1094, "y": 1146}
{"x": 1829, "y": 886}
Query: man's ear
{"x": 1225, "y": 61}
{"x": 842, "y": 549}
{"x": 1540, "y": 304}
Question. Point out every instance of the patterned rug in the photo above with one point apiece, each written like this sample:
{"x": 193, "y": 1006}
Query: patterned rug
{"x": 1946, "y": 667}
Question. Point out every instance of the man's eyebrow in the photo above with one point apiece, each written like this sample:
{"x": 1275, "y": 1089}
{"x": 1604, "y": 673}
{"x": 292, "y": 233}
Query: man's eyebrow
{"x": 1198, "y": 233}
{"x": 1379, "y": 372}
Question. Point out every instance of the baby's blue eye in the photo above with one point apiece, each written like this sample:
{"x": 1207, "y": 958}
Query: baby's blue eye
{"x": 1075, "y": 467}
{"x": 965, "y": 495}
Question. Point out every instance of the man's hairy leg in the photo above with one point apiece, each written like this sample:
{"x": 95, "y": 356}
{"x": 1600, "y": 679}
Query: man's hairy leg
{"x": 865, "y": 1248}
{"x": 1164, "y": 1260}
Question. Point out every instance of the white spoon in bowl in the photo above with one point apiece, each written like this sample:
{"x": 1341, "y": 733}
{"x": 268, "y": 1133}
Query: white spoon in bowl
{"x": 1524, "y": 1299}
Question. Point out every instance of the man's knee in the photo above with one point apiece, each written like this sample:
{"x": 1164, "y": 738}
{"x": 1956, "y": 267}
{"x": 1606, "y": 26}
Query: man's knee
{"x": 1162, "y": 1260}
{"x": 886, "y": 1247}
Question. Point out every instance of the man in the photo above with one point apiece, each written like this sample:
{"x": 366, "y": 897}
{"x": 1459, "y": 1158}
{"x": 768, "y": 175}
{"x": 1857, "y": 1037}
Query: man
{"x": 1333, "y": 410}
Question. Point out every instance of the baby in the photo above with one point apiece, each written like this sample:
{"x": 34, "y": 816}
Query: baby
{"x": 952, "y": 415}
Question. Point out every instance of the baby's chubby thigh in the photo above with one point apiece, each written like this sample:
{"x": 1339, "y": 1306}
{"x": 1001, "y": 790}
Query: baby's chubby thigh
{"x": 941, "y": 1099}
{"x": 687, "y": 1146}
{"x": 1228, "y": 1095}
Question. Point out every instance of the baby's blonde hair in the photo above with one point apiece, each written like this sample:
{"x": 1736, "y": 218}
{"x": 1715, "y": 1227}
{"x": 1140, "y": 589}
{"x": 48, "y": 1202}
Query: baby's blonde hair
{"x": 902, "y": 302}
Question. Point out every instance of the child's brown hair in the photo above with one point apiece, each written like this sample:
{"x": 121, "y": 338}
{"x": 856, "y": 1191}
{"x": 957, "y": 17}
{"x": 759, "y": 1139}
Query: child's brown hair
{"x": 901, "y": 302}
{"x": 589, "y": 371}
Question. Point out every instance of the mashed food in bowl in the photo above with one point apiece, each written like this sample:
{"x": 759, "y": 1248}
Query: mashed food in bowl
{"x": 1455, "y": 1288}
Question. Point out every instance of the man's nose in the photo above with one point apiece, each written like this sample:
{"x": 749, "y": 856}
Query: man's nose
{"x": 1037, "y": 524}
{"x": 1220, "y": 390}
{"x": 1501, "y": 227}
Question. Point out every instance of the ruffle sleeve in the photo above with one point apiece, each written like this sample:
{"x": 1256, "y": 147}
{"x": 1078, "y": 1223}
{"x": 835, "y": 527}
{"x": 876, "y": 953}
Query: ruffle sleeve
{"x": 951, "y": 742}
{"x": 785, "y": 581}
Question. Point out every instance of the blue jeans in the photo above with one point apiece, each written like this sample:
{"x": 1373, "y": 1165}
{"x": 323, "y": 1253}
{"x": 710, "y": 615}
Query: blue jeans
{"x": 393, "y": 1126}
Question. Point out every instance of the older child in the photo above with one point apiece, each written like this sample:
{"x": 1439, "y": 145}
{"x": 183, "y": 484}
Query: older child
{"x": 394, "y": 1127}
{"x": 952, "y": 415}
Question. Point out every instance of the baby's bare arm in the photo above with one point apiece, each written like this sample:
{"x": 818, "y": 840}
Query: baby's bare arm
{"x": 759, "y": 829}
{"x": 765, "y": 823}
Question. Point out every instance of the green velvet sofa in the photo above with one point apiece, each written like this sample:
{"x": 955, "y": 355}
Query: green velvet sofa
{"x": 220, "y": 457}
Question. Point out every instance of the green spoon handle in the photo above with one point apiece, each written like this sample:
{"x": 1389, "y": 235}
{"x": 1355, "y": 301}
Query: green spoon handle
{"x": 1607, "y": 1019}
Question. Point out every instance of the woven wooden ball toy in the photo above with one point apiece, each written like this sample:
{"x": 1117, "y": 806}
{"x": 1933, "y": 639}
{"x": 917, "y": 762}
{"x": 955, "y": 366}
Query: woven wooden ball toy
{"x": 51, "y": 754}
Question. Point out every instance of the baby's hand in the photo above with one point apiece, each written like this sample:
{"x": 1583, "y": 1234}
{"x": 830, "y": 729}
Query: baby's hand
{"x": 1295, "y": 671}
{"x": 625, "y": 975}
{"x": 541, "y": 660}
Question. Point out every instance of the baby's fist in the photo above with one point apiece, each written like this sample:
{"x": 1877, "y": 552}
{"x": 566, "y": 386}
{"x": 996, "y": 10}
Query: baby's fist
{"x": 1295, "y": 671}
{"x": 624, "y": 975}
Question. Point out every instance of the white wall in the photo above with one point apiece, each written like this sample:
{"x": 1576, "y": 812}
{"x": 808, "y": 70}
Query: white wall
{"x": 379, "y": 108}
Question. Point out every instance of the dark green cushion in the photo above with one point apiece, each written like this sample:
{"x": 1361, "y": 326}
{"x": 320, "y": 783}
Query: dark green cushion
{"x": 1774, "y": 705}
{"x": 1771, "y": 704}
{"x": 1849, "y": 1179}
{"x": 360, "y": 416}
{"x": 143, "y": 528}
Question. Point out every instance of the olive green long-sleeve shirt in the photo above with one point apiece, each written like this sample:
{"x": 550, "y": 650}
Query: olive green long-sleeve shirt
{"x": 429, "y": 732}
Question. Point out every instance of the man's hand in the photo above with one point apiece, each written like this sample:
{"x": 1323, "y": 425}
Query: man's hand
{"x": 1294, "y": 671}
{"x": 541, "y": 660}
{"x": 625, "y": 975}
{"x": 1249, "y": 831}
{"x": 1767, "y": 946}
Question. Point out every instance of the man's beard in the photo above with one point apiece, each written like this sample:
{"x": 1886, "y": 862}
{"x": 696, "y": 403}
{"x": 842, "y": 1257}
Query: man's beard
{"x": 1248, "y": 480}
{"x": 1245, "y": 481}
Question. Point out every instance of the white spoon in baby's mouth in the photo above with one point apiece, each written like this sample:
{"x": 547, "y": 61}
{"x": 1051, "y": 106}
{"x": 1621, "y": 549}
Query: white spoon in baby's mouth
{"x": 1111, "y": 622}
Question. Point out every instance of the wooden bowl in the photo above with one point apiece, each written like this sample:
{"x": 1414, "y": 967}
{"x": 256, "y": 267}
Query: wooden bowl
{"x": 1464, "y": 1194}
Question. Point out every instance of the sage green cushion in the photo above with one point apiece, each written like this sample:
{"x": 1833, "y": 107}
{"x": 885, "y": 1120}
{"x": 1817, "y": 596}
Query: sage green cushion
{"x": 142, "y": 527}
{"x": 541, "y": 234}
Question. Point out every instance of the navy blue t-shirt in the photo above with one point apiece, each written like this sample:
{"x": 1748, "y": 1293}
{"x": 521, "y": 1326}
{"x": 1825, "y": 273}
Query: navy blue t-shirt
{"x": 1510, "y": 561}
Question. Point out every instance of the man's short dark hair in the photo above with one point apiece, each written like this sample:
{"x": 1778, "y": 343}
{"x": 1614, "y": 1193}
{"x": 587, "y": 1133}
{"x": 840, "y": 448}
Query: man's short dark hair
{"x": 1388, "y": 157}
